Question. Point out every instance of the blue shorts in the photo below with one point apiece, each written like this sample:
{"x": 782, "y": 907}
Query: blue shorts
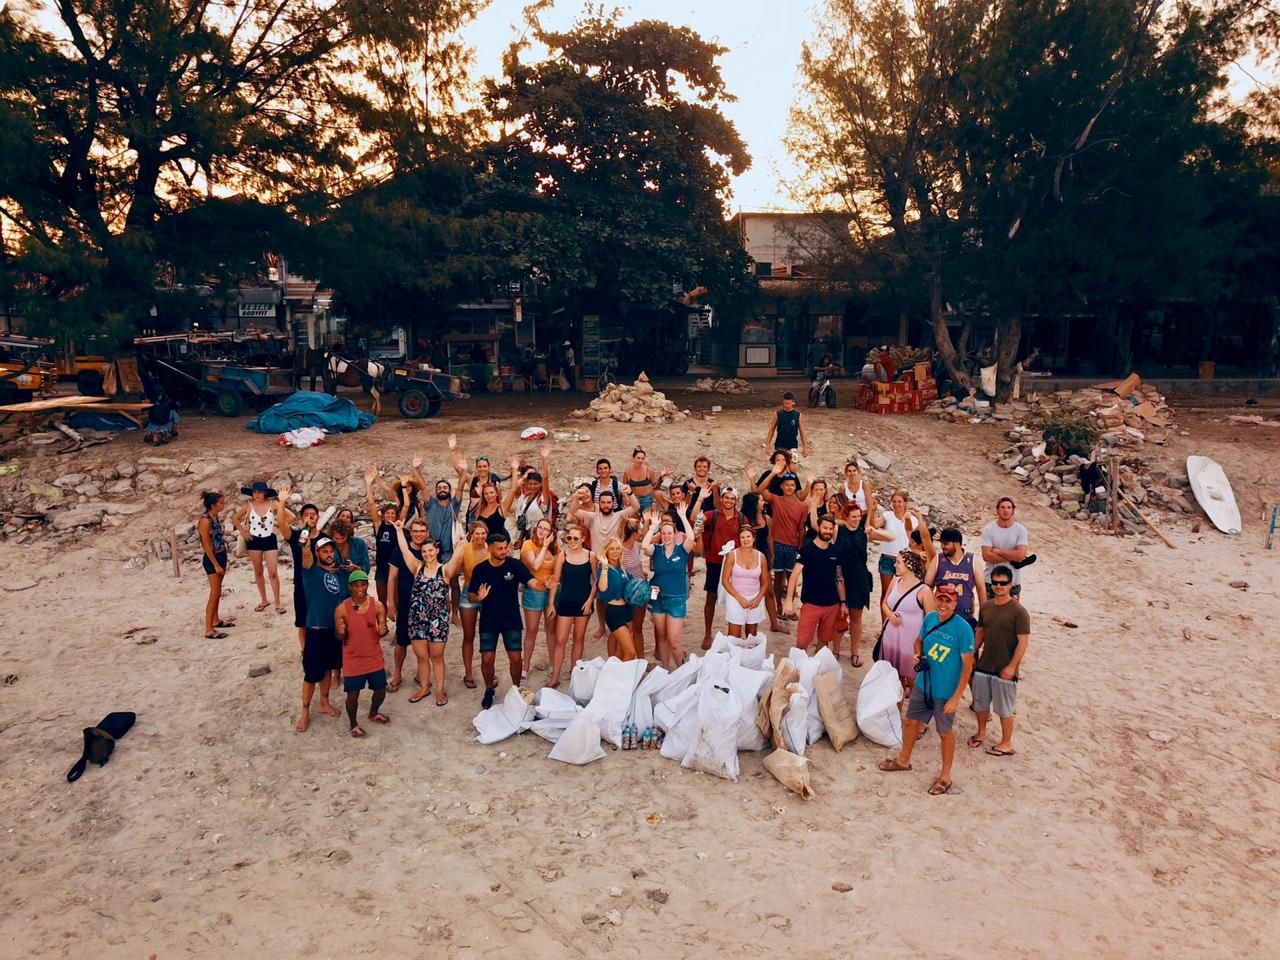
{"x": 465, "y": 604}
{"x": 668, "y": 605}
{"x": 645, "y": 500}
{"x": 376, "y": 681}
{"x": 531, "y": 599}
{"x": 512, "y": 639}
{"x": 784, "y": 557}
{"x": 886, "y": 565}
{"x": 222, "y": 562}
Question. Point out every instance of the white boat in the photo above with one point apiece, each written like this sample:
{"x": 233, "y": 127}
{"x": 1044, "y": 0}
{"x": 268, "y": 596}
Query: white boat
{"x": 1212, "y": 491}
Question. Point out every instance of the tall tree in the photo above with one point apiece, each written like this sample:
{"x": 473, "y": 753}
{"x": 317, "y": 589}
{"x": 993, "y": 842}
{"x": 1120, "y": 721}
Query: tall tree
{"x": 115, "y": 116}
{"x": 1016, "y": 150}
{"x": 617, "y": 144}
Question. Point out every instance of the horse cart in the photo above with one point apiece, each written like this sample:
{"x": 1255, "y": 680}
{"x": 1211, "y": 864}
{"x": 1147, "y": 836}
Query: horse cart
{"x": 421, "y": 389}
{"x": 227, "y": 371}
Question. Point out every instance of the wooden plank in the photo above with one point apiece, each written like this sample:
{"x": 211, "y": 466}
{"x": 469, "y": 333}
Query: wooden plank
{"x": 69, "y": 432}
{"x": 49, "y": 403}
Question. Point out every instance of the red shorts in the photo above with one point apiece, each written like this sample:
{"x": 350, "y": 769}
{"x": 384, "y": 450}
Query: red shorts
{"x": 821, "y": 620}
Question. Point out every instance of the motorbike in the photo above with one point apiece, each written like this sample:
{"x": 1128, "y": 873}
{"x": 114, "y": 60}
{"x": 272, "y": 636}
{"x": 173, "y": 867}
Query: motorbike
{"x": 821, "y": 391}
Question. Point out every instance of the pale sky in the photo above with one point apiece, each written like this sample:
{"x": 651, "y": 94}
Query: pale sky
{"x": 764, "y": 41}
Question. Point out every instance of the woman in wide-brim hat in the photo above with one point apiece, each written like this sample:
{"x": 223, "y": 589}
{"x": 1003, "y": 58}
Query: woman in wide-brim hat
{"x": 256, "y": 521}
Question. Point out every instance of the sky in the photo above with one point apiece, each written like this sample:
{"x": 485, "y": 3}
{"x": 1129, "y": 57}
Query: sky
{"x": 763, "y": 40}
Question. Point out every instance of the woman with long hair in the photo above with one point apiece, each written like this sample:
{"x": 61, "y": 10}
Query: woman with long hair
{"x": 754, "y": 515}
{"x": 909, "y": 599}
{"x": 539, "y": 554}
{"x": 670, "y": 579}
{"x": 473, "y": 552}
{"x": 213, "y": 542}
{"x": 489, "y": 510}
{"x": 428, "y": 612}
{"x": 851, "y": 545}
{"x": 632, "y": 531}
{"x": 892, "y": 530}
{"x": 573, "y": 595}
{"x": 610, "y": 584}
{"x": 256, "y": 521}
{"x": 745, "y": 582}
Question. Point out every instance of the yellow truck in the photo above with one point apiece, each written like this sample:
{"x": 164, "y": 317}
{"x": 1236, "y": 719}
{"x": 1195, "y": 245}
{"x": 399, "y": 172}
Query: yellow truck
{"x": 28, "y": 368}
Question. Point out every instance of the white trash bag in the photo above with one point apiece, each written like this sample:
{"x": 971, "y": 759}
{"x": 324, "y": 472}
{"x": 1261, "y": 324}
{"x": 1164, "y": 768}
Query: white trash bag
{"x": 551, "y": 728}
{"x": 611, "y": 697}
{"x": 795, "y": 721}
{"x": 582, "y": 680}
{"x": 580, "y": 742}
{"x": 715, "y": 745}
{"x": 746, "y": 685}
{"x": 551, "y": 704}
{"x": 824, "y": 661}
{"x": 641, "y": 715}
{"x": 679, "y": 718}
{"x": 504, "y": 719}
{"x": 877, "y": 708}
{"x": 678, "y": 680}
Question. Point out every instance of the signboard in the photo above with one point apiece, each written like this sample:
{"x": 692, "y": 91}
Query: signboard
{"x": 256, "y": 311}
{"x": 591, "y": 345}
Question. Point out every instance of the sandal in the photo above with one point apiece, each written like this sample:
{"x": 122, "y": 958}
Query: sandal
{"x": 893, "y": 765}
{"x": 997, "y": 752}
{"x": 281, "y": 610}
{"x": 974, "y": 742}
{"x": 358, "y": 733}
{"x": 229, "y": 622}
{"x": 939, "y": 787}
{"x": 419, "y": 696}
{"x": 216, "y": 635}
{"x": 444, "y": 702}
{"x": 855, "y": 661}
{"x": 379, "y": 718}
{"x": 394, "y": 685}
{"x": 469, "y": 683}
{"x": 260, "y": 607}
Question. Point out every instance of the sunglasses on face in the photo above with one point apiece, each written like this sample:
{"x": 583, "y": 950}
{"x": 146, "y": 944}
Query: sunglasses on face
{"x": 1001, "y": 583}
{"x": 573, "y": 538}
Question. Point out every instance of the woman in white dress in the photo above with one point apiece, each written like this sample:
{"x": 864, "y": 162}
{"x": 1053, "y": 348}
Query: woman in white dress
{"x": 745, "y": 581}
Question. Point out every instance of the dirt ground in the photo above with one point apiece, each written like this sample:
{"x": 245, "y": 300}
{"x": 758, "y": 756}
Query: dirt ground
{"x": 1137, "y": 819}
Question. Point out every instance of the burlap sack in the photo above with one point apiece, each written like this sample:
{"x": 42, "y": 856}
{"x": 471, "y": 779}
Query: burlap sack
{"x": 790, "y": 771}
{"x": 834, "y": 710}
{"x": 778, "y": 697}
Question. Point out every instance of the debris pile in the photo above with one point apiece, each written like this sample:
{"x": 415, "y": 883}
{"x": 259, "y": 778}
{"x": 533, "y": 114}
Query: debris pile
{"x": 723, "y": 385}
{"x": 637, "y": 403}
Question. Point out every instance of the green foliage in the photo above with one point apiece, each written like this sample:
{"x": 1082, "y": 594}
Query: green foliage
{"x": 1068, "y": 435}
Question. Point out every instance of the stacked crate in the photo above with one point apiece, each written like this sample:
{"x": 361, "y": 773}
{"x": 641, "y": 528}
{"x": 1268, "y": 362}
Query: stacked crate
{"x": 915, "y": 390}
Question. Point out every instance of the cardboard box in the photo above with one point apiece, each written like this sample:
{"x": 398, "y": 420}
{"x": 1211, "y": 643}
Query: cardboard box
{"x": 923, "y": 372}
{"x": 881, "y": 387}
{"x": 899, "y": 388}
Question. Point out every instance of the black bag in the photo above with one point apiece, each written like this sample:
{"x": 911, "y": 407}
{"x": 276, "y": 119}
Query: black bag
{"x": 875, "y": 651}
{"x": 100, "y": 741}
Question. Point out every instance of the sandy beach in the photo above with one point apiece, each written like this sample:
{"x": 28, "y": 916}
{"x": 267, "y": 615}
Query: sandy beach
{"x": 1139, "y": 817}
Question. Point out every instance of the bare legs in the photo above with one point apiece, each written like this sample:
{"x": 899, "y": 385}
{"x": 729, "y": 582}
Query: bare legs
{"x": 637, "y": 630}
{"x": 436, "y": 652}
{"x": 708, "y": 615}
{"x": 421, "y": 664}
{"x": 563, "y": 625}
{"x": 532, "y": 618}
{"x": 620, "y": 643}
{"x": 469, "y": 645}
{"x": 668, "y": 630}
{"x": 211, "y": 605}
{"x": 271, "y": 559}
{"x": 308, "y": 693}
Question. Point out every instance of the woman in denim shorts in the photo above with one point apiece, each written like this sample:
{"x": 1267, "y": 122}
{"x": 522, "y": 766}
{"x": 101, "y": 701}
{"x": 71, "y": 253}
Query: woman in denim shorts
{"x": 474, "y": 551}
{"x": 670, "y": 582}
{"x": 539, "y": 554}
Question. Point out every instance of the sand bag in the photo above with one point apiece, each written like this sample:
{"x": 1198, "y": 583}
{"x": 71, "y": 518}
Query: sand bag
{"x": 751, "y": 650}
{"x": 878, "y": 700}
{"x": 715, "y": 667}
{"x": 550, "y": 704}
{"x": 790, "y": 771}
{"x": 837, "y": 718}
{"x": 746, "y": 686}
{"x": 823, "y": 661}
{"x": 611, "y": 697}
{"x": 580, "y": 742}
{"x": 783, "y": 677}
{"x": 678, "y": 680}
{"x": 715, "y": 746}
{"x": 582, "y": 681}
{"x": 504, "y": 719}
{"x": 641, "y": 714}
{"x": 795, "y": 721}
{"x": 551, "y": 728}
{"x": 679, "y": 718}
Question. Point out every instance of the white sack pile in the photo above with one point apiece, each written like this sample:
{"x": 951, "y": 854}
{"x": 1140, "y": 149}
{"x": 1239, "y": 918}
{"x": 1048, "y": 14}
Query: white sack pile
{"x": 724, "y": 385}
{"x": 637, "y": 403}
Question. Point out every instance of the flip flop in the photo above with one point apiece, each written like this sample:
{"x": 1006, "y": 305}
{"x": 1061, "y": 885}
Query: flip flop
{"x": 855, "y": 661}
{"x": 892, "y": 765}
{"x": 469, "y": 684}
{"x": 358, "y": 733}
{"x": 975, "y": 742}
{"x": 281, "y": 610}
{"x": 379, "y": 718}
{"x": 420, "y": 696}
{"x": 226, "y": 623}
{"x": 216, "y": 635}
{"x": 393, "y": 685}
{"x": 260, "y": 607}
{"x": 997, "y": 752}
{"x": 939, "y": 787}
{"x": 444, "y": 702}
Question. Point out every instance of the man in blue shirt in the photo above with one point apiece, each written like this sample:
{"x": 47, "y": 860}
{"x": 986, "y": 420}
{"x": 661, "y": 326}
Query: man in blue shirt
{"x": 944, "y": 662}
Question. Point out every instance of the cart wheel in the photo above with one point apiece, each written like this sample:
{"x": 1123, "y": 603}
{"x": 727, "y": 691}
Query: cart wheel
{"x": 413, "y": 405}
{"x": 89, "y": 383}
{"x": 433, "y": 407}
{"x": 229, "y": 403}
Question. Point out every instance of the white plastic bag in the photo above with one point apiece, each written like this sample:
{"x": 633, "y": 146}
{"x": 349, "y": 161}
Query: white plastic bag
{"x": 795, "y": 721}
{"x": 679, "y": 718}
{"x": 878, "y": 700}
{"x": 533, "y": 433}
{"x": 503, "y": 719}
{"x": 580, "y": 742}
{"x": 715, "y": 746}
{"x": 611, "y": 697}
{"x": 641, "y": 714}
{"x": 551, "y": 704}
{"x": 715, "y": 667}
{"x": 551, "y": 728}
{"x": 678, "y": 680}
{"x": 746, "y": 685}
{"x": 823, "y": 661}
{"x": 751, "y": 650}
{"x": 582, "y": 681}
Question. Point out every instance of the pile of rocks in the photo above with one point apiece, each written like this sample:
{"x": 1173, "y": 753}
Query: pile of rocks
{"x": 637, "y": 403}
{"x": 723, "y": 385}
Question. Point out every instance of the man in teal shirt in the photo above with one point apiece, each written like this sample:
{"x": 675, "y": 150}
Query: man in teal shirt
{"x": 944, "y": 662}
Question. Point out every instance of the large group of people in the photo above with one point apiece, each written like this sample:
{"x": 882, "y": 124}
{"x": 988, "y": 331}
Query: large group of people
{"x": 504, "y": 560}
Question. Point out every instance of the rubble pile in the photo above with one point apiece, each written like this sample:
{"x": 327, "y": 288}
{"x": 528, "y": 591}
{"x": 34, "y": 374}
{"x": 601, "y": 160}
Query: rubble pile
{"x": 723, "y": 385}
{"x": 637, "y": 403}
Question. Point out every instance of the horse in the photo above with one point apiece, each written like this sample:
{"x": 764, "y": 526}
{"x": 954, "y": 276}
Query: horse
{"x": 369, "y": 372}
{"x": 310, "y": 362}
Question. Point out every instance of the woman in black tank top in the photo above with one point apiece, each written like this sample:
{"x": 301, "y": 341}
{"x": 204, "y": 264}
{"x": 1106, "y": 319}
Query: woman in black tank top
{"x": 573, "y": 595}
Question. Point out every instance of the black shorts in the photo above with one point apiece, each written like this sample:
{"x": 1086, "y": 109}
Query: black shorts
{"x": 713, "y": 577}
{"x": 321, "y": 653}
{"x": 567, "y": 606}
{"x": 208, "y": 567}
{"x": 402, "y": 623}
{"x": 262, "y": 543}
{"x": 616, "y": 615}
{"x": 299, "y": 606}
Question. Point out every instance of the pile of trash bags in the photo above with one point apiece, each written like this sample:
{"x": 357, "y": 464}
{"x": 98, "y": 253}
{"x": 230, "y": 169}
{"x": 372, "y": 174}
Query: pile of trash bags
{"x": 707, "y": 710}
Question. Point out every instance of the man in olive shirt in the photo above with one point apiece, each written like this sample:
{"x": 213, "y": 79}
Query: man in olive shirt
{"x": 1002, "y": 638}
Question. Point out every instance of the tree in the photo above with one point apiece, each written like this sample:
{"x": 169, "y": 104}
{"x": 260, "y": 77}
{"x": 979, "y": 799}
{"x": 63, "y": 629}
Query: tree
{"x": 617, "y": 145}
{"x": 132, "y": 113}
{"x": 1020, "y": 151}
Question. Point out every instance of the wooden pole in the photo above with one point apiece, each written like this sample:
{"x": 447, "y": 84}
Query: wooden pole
{"x": 1143, "y": 517}
{"x": 1113, "y": 490}
{"x": 173, "y": 552}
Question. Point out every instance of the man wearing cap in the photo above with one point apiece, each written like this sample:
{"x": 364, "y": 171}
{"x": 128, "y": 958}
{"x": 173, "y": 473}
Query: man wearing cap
{"x": 441, "y": 511}
{"x": 535, "y": 499}
{"x": 964, "y": 572}
{"x": 360, "y": 623}
{"x": 944, "y": 661}
{"x": 1004, "y": 633}
{"x": 326, "y": 587}
{"x": 719, "y": 527}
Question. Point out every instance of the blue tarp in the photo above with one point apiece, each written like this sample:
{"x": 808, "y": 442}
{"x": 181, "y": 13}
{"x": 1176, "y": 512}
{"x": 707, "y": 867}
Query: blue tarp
{"x": 307, "y": 409}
